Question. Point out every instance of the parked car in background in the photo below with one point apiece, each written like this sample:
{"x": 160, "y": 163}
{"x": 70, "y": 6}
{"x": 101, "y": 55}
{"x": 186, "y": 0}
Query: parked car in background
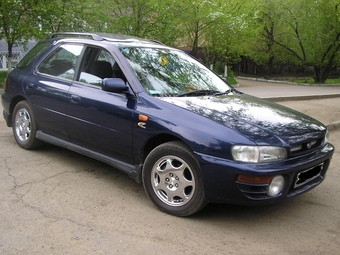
{"x": 163, "y": 118}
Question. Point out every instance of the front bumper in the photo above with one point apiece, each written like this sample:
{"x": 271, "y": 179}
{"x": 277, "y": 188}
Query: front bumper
{"x": 300, "y": 173}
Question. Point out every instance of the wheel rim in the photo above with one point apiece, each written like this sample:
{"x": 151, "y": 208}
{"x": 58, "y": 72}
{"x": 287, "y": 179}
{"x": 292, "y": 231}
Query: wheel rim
{"x": 23, "y": 125}
{"x": 173, "y": 181}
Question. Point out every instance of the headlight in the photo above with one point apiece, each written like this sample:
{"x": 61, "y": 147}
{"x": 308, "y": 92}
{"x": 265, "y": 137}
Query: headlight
{"x": 258, "y": 154}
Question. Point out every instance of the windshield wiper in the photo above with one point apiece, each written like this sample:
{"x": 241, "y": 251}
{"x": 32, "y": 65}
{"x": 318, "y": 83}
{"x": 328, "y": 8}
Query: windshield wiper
{"x": 227, "y": 92}
{"x": 202, "y": 92}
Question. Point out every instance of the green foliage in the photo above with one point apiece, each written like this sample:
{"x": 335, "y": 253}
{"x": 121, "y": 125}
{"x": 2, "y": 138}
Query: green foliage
{"x": 231, "y": 77}
{"x": 300, "y": 32}
{"x": 64, "y": 15}
{"x": 310, "y": 80}
{"x": 18, "y": 22}
{"x": 143, "y": 18}
{"x": 232, "y": 81}
{"x": 3, "y": 75}
{"x": 304, "y": 33}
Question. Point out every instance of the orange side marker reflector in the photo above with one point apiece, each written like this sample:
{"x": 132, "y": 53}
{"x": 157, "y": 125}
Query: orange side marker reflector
{"x": 142, "y": 117}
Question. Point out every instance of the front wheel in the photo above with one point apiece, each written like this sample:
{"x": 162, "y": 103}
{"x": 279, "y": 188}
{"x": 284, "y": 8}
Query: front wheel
{"x": 172, "y": 179}
{"x": 24, "y": 126}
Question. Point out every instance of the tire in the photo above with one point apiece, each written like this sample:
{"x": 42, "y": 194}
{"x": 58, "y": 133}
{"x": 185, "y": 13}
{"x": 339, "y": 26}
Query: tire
{"x": 24, "y": 126}
{"x": 172, "y": 179}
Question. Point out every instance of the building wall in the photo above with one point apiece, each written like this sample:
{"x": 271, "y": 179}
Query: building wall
{"x": 18, "y": 53}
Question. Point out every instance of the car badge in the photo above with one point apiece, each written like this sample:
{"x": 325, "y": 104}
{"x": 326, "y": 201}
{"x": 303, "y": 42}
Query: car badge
{"x": 142, "y": 124}
{"x": 309, "y": 145}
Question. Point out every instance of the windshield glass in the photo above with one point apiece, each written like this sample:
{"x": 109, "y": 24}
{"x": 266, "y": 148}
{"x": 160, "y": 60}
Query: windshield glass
{"x": 164, "y": 72}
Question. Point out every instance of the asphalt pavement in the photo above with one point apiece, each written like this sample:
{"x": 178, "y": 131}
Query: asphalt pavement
{"x": 284, "y": 91}
{"x": 55, "y": 201}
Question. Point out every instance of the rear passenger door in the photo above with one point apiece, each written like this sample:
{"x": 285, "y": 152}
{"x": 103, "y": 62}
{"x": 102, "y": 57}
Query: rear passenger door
{"x": 97, "y": 120}
{"x": 48, "y": 87}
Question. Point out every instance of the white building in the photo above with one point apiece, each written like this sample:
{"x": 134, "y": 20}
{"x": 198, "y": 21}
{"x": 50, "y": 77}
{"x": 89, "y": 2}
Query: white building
{"x": 18, "y": 53}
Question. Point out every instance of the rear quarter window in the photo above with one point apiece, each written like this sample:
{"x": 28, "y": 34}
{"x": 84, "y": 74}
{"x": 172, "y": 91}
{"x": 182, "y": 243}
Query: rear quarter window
{"x": 33, "y": 53}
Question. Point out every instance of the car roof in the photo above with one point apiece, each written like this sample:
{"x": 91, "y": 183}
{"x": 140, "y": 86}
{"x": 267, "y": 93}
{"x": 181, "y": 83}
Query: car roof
{"x": 113, "y": 38}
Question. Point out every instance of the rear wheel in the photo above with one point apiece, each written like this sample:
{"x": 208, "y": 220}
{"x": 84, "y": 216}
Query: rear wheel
{"x": 172, "y": 179}
{"x": 24, "y": 126}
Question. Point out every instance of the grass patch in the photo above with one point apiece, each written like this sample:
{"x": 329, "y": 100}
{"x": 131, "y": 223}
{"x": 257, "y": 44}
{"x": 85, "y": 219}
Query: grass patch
{"x": 333, "y": 81}
{"x": 311, "y": 81}
{"x": 2, "y": 78}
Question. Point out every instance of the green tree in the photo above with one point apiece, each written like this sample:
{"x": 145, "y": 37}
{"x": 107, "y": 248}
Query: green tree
{"x": 143, "y": 18}
{"x": 226, "y": 38}
{"x": 325, "y": 43}
{"x": 305, "y": 32}
{"x": 197, "y": 18}
{"x": 261, "y": 28}
{"x": 65, "y": 15}
{"x": 18, "y": 22}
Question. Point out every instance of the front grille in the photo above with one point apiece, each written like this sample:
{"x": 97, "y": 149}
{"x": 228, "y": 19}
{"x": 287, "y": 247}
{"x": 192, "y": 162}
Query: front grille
{"x": 305, "y": 147}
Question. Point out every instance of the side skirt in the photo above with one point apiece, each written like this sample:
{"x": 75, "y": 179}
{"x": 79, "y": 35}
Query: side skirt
{"x": 134, "y": 171}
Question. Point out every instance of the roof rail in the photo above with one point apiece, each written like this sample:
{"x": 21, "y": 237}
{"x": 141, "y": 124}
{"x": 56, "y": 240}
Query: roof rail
{"x": 76, "y": 34}
{"x": 155, "y": 41}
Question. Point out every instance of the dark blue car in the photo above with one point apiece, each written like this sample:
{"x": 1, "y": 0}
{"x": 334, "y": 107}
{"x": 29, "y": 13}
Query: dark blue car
{"x": 165, "y": 119}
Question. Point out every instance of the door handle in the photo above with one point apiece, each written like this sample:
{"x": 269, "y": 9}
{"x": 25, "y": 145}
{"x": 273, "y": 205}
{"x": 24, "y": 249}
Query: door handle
{"x": 30, "y": 85}
{"x": 75, "y": 99}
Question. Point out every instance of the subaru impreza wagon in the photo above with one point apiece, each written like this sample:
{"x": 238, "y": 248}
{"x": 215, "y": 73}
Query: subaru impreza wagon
{"x": 163, "y": 118}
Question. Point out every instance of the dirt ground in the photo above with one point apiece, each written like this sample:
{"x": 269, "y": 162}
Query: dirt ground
{"x": 53, "y": 201}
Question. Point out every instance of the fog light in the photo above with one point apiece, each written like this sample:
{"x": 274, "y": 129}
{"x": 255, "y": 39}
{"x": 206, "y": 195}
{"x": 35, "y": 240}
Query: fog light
{"x": 276, "y": 186}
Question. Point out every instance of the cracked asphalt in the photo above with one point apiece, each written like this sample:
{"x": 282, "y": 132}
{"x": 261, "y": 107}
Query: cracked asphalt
{"x": 55, "y": 201}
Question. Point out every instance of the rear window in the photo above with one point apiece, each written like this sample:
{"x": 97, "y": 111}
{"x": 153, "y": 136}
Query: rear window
{"x": 33, "y": 53}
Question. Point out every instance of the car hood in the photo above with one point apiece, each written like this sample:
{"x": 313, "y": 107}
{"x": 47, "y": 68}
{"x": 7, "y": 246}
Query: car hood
{"x": 261, "y": 121}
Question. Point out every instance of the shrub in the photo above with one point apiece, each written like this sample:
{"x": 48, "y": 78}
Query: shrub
{"x": 2, "y": 78}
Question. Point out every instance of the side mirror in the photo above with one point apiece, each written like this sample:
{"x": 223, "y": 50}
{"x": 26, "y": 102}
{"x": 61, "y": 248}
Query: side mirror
{"x": 115, "y": 85}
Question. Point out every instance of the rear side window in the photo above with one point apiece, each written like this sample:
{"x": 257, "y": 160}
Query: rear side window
{"x": 33, "y": 53}
{"x": 61, "y": 61}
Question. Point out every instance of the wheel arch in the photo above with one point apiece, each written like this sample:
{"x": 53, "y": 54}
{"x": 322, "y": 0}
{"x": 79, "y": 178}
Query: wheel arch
{"x": 12, "y": 105}
{"x": 156, "y": 141}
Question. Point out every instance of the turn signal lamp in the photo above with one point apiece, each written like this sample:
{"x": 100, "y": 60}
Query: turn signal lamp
{"x": 275, "y": 183}
{"x": 143, "y": 117}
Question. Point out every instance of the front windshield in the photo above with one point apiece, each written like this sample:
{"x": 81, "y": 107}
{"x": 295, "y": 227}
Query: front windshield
{"x": 164, "y": 72}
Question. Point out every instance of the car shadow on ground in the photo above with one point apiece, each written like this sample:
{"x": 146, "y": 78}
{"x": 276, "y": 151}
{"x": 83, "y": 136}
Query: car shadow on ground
{"x": 237, "y": 211}
{"x": 212, "y": 212}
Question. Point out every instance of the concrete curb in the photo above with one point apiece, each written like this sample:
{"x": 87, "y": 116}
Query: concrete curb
{"x": 334, "y": 126}
{"x": 298, "y": 98}
{"x": 284, "y": 82}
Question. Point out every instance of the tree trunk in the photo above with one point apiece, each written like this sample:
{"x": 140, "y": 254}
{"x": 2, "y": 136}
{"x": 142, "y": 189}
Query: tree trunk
{"x": 321, "y": 74}
{"x": 270, "y": 65}
{"x": 195, "y": 37}
{"x": 10, "y": 56}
